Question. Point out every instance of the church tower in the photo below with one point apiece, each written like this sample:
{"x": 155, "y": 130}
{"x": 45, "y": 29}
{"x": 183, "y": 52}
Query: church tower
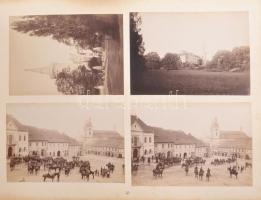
{"x": 88, "y": 131}
{"x": 214, "y": 129}
{"x": 53, "y": 69}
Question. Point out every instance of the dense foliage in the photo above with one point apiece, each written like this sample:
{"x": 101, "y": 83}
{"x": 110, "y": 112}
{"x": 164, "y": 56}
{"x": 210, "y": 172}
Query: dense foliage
{"x": 80, "y": 30}
{"x": 137, "y": 61}
{"x": 171, "y": 61}
{"x": 237, "y": 59}
{"x": 152, "y": 60}
{"x": 79, "y": 81}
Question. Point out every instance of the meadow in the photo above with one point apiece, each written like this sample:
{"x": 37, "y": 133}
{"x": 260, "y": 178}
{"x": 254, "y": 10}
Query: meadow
{"x": 193, "y": 82}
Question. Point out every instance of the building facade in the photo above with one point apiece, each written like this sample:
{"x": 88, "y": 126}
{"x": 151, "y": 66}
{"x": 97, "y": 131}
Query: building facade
{"x": 23, "y": 140}
{"x": 102, "y": 142}
{"x": 17, "y": 139}
{"x": 163, "y": 143}
{"x": 231, "y": 143}
{"x": 142, "y": 140}
{"x": 190, "y": 58}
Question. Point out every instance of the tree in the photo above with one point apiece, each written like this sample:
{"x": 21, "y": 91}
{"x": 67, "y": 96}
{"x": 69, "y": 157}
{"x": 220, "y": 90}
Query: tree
{"x": 222, "y": 60}
{"x": 238, "y": 58}
{"x": 241, "y": 57}
{"x": 171, "y": 61}
{"x": 78, "y": 81}
{"x": 152, "y": 60}
{"x": 86, "y": 31}
{"x": 137, "y": 61}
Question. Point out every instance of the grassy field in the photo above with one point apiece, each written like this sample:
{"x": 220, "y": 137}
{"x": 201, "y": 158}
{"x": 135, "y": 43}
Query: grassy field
{"x": 194, "y": 82}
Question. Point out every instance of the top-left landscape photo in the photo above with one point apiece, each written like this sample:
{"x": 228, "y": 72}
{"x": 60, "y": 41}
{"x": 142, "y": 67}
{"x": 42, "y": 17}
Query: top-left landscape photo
{"x": 66, "y": 54}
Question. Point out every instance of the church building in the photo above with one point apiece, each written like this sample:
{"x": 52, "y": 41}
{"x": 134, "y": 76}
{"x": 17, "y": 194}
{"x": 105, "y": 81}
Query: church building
{"x": 102, "y": 142}
{"x": 230, "y": 143}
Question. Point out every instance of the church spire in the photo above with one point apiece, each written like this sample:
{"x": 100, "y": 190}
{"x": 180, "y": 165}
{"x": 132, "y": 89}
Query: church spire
{"x": 53, "y": 69}
{"x": 42, "y": 70}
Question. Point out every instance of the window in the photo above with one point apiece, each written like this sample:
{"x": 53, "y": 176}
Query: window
{"x": 156, "y": 145}
{"x": 24, "y": 137}
{"x": 149, "y": 139}
{"x": 145, "y": 152}
{"x": 20, "y": 149}
{"x": 145, "y": 139}
{"x": 162, "y": 146}
{"x": 20, "y": 138}
{"x": 24, "y": 149}
{"x": 36, "y": 143}
{"x": 150, "y": 151}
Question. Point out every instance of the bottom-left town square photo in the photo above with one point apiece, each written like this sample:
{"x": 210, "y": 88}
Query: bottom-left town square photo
{"x": 65, "y": 143}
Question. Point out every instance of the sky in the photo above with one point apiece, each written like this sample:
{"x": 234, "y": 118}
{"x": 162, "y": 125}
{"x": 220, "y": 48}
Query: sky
{"x": 33, "y": 52}
{"x": 196, "y": 118}
{"x": 69, "y": 118}
{"x": 200, "y": 33}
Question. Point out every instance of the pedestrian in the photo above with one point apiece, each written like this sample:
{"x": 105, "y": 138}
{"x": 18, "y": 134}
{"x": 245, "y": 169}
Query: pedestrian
{"x": 187, "y": 169}
{"x": 196, "y": 172}
{"x": 208, "y": 174}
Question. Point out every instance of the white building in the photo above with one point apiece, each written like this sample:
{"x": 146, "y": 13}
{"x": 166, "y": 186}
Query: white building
{"x": 163, "y": 142}
{"x": 28, "y": 140}
{"x": 142, "y": 139}
{"x": 17, "y": 138}
{"x": 190, "y": 58}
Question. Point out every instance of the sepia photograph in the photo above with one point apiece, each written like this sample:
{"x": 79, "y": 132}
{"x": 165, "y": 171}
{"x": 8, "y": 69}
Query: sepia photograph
{"x": 201, "y": 145}
{"x": 190, "y": 53}
{"x": 64, "y": 143}
{"x": 66, "y": 55}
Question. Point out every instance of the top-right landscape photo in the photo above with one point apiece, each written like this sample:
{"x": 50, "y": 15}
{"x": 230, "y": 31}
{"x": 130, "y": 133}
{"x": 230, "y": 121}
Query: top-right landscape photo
{"x": 190, "y": 53}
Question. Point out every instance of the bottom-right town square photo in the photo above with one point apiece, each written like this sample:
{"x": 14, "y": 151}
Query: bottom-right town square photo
{"x": 197, "y": 144}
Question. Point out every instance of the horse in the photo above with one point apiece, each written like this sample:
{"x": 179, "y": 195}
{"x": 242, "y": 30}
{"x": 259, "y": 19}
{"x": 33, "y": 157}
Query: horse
{"x": 110, "y": 167}
{"x": 232, "y": 171}
{"x": 51, "y": 176}
{"x": 157, "y": 172}
{"x": 86, "y": 173}
{"x": 105, "y": 172}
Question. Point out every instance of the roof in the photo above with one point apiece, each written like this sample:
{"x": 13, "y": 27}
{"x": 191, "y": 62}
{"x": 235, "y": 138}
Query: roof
{"x": 106, "y": 134}
{"x": 168, "y": 136}
{"x": 239, "y": 143}
{"x": 233, "y": 135}
{"x": 109, "y": 142}
{"x": 144, "y": 126}
{"x": 106, "y": 138}
{"x": 19, "y": 125}
{"x": 41, "y": 134}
